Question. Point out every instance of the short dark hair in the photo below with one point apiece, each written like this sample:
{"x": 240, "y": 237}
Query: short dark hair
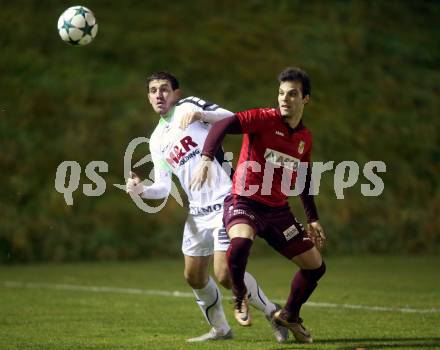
{"x": 164, "y": 76}
{"x": 296, "y": 74}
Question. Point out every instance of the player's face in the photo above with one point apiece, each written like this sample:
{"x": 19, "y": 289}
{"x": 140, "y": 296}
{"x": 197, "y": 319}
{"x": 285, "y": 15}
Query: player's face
{"x": 291, "y": 100}
{"x": 162, "y": 96}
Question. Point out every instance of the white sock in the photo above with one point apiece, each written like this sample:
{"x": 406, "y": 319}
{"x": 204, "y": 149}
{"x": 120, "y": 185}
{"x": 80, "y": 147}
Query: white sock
{"x": 209, "y": 299}
{"x": 256, "y": 296}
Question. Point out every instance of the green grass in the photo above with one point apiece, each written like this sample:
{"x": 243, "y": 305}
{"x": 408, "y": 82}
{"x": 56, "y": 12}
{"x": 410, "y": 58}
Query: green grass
{"x": 48, "y": 318}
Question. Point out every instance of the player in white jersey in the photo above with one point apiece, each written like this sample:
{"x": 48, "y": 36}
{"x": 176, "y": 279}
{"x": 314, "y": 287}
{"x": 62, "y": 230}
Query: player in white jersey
{"x": 175, "y": 147}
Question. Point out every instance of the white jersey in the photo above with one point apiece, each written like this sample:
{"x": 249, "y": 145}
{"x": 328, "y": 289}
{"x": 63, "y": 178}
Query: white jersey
{"x": 179, "y": 151}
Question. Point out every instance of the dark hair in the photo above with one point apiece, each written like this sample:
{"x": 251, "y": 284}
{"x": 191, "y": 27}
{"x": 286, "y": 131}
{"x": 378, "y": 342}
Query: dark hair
{"x": 164, "y": 76}
{"x": 296, "y": 74}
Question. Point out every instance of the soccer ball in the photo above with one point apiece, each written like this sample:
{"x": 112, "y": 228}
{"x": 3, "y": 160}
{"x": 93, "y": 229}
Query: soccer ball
{"x": 77, "y": 26}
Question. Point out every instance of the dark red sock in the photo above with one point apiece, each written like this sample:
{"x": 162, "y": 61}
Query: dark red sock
{"x": 237, "y": 256}
{"x": 303, "y": 284}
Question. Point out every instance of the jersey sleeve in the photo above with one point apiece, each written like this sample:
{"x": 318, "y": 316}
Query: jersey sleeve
{"x": 198, "y": 103}
{"x": 161, "y": 186}
{"x": 307, "y": 199}
{"x": 218, "y": 131}
{"x": 255, "y": 120}
{"x": 307, "y": 157}
{"x": 213, "y": 116}
{"x": 211, "y": 112}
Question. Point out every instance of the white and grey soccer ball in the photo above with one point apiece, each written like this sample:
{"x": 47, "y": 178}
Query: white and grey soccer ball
{"x": 77, "y": 26}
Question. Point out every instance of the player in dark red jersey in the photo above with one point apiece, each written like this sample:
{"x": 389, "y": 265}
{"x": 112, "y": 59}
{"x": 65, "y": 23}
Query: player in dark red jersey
{"x": 275, "y": 145}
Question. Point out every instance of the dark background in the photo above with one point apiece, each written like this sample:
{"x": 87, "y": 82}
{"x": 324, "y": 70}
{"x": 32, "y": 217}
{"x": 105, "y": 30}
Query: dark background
{"x": 375, "y": 96}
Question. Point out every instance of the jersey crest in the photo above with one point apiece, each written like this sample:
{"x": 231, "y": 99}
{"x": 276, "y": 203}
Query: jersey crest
{"x": 301, "y": 147}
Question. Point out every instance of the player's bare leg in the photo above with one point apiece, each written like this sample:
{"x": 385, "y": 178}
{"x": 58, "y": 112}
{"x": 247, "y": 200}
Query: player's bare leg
{"x": 196, "y": 270}
{"x": 221, "y": 270}
{"x": 309, "y": 260}
{"x": 303, "y": 284}
{"x": 208, "y": 298}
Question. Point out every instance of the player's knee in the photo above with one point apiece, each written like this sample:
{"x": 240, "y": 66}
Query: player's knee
{"x": 194, "y": 280}
{"x": 223, "y": 278}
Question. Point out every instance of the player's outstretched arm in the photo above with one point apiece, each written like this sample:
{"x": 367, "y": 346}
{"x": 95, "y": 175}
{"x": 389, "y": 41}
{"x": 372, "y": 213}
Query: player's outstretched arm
{"x": 218, "y": 132}
{"x": 213, "y": 116}
{"x": 212, "y": 143}
{"x": 160, "y": 188}
{"x": 210, "y": 117}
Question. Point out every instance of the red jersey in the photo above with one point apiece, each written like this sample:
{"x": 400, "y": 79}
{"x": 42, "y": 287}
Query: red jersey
{"x": 269, "y": 149}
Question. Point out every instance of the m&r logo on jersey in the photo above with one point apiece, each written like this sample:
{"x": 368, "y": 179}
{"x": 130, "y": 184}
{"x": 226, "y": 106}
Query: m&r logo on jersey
{"x": 179, "y": 154}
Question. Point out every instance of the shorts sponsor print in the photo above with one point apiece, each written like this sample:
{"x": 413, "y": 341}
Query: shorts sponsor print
{"x": 204, "y": 232}
{"x": 277, "y": 225}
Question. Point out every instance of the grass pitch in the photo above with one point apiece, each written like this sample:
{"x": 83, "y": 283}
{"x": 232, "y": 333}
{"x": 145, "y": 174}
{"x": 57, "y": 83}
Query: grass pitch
{"x": 362, "y": 302}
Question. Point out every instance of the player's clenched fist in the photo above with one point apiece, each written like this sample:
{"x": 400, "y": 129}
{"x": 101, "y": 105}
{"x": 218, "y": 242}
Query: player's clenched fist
{"x": 134, "y": 185}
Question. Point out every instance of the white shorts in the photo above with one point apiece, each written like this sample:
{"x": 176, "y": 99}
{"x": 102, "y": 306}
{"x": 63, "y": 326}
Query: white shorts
{"x": 204, "y": 232}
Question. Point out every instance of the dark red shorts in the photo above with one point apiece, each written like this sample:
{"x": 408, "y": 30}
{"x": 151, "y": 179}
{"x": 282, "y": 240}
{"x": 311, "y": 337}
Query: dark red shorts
{"x": 277, "y": 225}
